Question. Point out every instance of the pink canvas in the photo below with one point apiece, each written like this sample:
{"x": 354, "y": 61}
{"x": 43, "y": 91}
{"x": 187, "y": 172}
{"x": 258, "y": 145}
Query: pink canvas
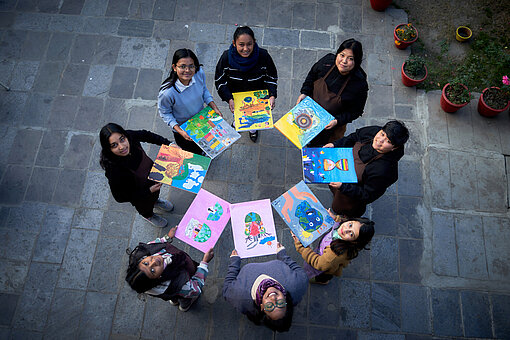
{"x": 253, "y": 228}
{"x": 204, "y": 221}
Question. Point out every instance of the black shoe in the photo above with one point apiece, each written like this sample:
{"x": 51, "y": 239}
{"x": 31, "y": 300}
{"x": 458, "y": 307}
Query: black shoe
{"x": 254, "y": 136}
{"x": 185, "y": 304}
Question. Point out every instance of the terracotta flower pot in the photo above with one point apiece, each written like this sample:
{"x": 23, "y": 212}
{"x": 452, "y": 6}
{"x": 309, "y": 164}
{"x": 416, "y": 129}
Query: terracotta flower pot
{"x": 380, "y": 5}
{"x": 401, "y": 44}
{"x": 447, "y": 105}
{"x": 486, "y": 110}
{"x": 407, "y": 81}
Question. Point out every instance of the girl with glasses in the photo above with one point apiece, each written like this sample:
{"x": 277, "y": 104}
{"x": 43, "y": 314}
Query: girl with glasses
{"x": 182, "y": 95}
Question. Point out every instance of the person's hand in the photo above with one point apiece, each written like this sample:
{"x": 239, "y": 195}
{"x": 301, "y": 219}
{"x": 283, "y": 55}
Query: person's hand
{"x": 271, "y": 102}
{"x": 234, "y": 253}
{"x": 294, "y": 237}
{"x": 279, "y": 245}
{"x": 208, "y": 256}
{"x": 185, "y": 135}
{"x": 332, "y": 214}
{"x": 300, "y": 98}
{"x": 155, "y": 187}
{"x": 231, "y": 105}
{"x": 331, "y": 124}
{"x": 219, "y": 112}
{"x": 329, "y": 145}
{"x": 171, "y": 232}
{"x": 335, "y": 185}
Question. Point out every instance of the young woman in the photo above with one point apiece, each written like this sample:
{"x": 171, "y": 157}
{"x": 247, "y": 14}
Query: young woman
{"x": 160, "y": 269}
{"x": 339, "y": 85}
{"x": 336, "y": 248}
{"x": 245, "y": 67}
{"x": 127, "y": 167}
{"x": 266, "y": 292}
{"x": 182, "y": 95}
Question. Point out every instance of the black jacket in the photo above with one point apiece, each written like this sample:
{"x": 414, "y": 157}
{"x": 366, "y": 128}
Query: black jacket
{"x": 354, "y": 95}
{"x": 261, "y": 77}
{"x": 379, "y": 174}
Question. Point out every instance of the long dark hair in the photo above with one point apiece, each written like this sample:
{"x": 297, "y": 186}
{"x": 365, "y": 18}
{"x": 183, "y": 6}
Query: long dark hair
{"x": 178, "y": 55}
{"x": 107, "y": 157}
{"x": 134, "y": 276}
{"x": 243, "y": 30}
{"x": 280, "y": 325}
{"x": 357, "y": 50}
{"x": 366, "y": 232}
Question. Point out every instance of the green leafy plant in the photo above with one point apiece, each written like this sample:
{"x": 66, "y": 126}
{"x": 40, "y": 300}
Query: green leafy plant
{"x": 406, "y": 32}
{"x": 457, "y": 93}
{"x": 414, "y": 67}
{"x": 498, "y": 98}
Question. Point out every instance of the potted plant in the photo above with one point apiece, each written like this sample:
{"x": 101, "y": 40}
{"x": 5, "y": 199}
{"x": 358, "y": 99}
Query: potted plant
{"x": 405, "y": 35}
{"x": 413, "y": 70}
{"x": 454, "y": 96}
{"x": 463, "y": 33}
{"x": 380, "y": 5}
{"x": 495, "y": 100}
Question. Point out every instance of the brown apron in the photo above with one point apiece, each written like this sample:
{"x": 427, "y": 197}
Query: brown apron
{"x": 344, "y": 204}
{"x": 330, "y": 101}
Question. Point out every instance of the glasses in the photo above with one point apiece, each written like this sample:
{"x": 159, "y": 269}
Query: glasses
{"x": 269, "y": 306}
{"x": 189, "y": 67}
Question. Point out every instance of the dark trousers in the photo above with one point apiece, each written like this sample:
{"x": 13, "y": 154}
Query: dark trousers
{"x": 145, "y": 207}
{"x": 327, "y": 136}
{"x": 186, "y": 144}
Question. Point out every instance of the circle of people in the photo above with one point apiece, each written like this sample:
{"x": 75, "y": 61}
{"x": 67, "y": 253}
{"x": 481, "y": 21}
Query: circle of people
{"x": 265, "y": 292}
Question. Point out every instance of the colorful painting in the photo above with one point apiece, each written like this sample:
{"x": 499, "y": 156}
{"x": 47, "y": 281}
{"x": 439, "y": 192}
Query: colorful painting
{"x": 325, "y": 165}
{"x": 303, "y": 122}
{"x": 303, "y": 213}
{"x": 252, "y": 110}
{"x": 210, "y": 131}
{"x": 179, "y": 168}
{"x": 253, "y": 228}
{"x": 204, "y": 221}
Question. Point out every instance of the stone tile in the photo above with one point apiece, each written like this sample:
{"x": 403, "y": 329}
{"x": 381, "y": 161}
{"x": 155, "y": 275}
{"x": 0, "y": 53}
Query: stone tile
{"x": 208, "y": 53}
{"x": 78, "y": 152}
{"x": 350, "y": 18}
{"x": 72, "y": 6}
{"x": 355, "y": 304}
{"x": 69, "y": 187}
{"x": 438, "y": 165}
{"x": 66, "y": 23}
{"x": 13, "y": 104}
{"x": 250, "y": 331}
{"x": 384, "y": 214}
{"x": 379, "y": 336}
{"x": 446, "y": 312}
{"x": 12, "y": 44}
{"x": 380, "y": 101}
{"x": 90, "y": 112}
{"x": 239, "y": 193}
{"x": 136, "y": 28}
{"x": 73, "y": 79}
{"x": 470, "y": 247}
{"x": 87, "y": 219}
{"x": 293, "y": 167}
{"x": 32, "y": 21}
{"x": 164, "y": 10}
{"x": 98, "y": 81}
{"x": 438, "y": 126}
{"x": 129, "y": 311}
{"x": 141, "y": 9}
{"x": 444, "y": 254}
{"x": 35, "y": 45}
{"x": 51, "y": 148}
{"x": 208, "y": 11}
{"x": 410, "y": 253}
{"x": 233, "y": 12}
{"x": 328, "y": 14}
{"x": 496, "y": 247}
{"x": 42, "y": 184}
{"x": 83, "y": 48}
{"x": 117, "y": 8}
{"x": 359, "y": 268}
{"x": 27, "y": 5}
{"x": 97, "y": 315}
{"x": 65, "y": 310}
{"x": 155, "y": 53}
{"x": 207, "y": 33}
{"x": 12, "y": 238}
{"x": 256, "y": 12}
{"x": 176, "y": 30}
{"x": 6, "y": 19}
{"x": 377, "y": 68}
{"x": 24, "y": 147}
{"x": 492, "y": 195}
{"x": 63, "y": 112}
{"x": 14, "y": 276}
{"x": 23, "y": 75}
{"x": 460, "y": 128}
{"x": 54, "y": 234}
{"x": 313, "y": 39}
{"x": 384, "y": 259}
{"x": 14, "y": 183}
{"x": 107, "y": 50}
{"x": 303, "y": 15}
{"x": 160, "y": 316}
{"x": 243, "y": 163}
{"x": 475, "y": 312}
{"x": 303, "y": 60}
{"x": 463, "y": 180}
{"x": 37, "y": 109}
{"x": 269, "y": 171}
{"x": 324, "y": 304}
{"x": 26, "y": 217}
{"x": 410, "y": 223}
{"x": 6, "y": 67}
{"x": 34, "y": 303}
{"x": 131, "y": 52}
{"x": 410, "y": 178}
{"x": 405, "y": 112}
{"x": 218, "y": 168}
{"x": 148, "y": 84}
{"x": 485, "y": 131}
{"x": 500, "y": 310}
{"x": 503, "y": 135}
{"x": 281, "y": 37}
{"x": 94, "y": 8}
{"x": 9, "y": 303}
{"x": 141, "y": 117}
{"x": 415, "y": 309}
{"x": 385, "y": 307}
{"x": 279, "y": 14}
{"x": 116, "y": 224}
{"x": 123, "y": 82}
{"x": 48, "y": 79}
{"x": 200, "y": 312}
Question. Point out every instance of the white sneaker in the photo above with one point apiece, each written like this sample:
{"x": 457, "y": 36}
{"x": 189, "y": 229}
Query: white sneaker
{"x": 164, "y": 205}
{"x": 157, "y": 221}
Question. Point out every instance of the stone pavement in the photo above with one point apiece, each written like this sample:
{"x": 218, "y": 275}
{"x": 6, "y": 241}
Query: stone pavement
{"x": 438, "y": 265}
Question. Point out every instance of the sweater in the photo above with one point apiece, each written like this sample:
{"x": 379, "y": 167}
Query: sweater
{"x": 328, "y": 262}
{"x": 354, "y": 96}
{"x": 262, "y": 76}
{"x": 239, "y": 281}
{"x": 176, "y": 107}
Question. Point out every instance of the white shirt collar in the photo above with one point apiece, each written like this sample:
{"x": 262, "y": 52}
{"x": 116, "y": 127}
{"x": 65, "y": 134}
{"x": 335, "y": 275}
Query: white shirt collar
{"x": 181, "y": 87}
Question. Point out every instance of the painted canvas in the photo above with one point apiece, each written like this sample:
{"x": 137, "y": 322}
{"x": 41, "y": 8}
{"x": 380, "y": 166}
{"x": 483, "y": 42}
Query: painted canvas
{"x": 210, "y": 131}
{"x": 252, "y": 110}
{"x": 303, "y": 213}
{"x": 204, "y": 221}
{"x": 179, "y": 168}
{"x": 253, "y": 228}
{"x": 303, "y": 122}
{"x": 325, "y": 165}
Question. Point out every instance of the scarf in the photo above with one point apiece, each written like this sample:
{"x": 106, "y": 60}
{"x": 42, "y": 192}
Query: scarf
{"x": 243, "y": 64}
{"x": 264, "y": 285}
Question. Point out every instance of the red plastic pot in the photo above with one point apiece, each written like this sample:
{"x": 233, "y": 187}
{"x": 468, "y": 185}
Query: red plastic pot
{"x": 447, "y": 105}
{"x": 486, "y": 110}
{"x": 401, "y": 44}
{"x": 380, "y": 5}
{"x": 407, "y": 81}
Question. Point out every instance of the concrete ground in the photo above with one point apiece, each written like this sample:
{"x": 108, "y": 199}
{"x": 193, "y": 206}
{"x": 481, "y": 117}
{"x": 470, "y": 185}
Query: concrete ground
{"x": 439, "y": 262}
